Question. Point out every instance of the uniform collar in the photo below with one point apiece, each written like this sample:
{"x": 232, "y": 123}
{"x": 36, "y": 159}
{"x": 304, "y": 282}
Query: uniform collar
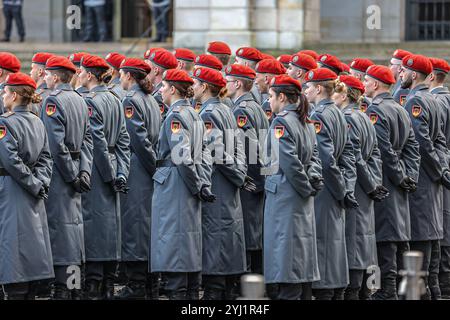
{"x": 42, "y": 86}
{"x": 212, "y": 100}
{"x": 135, "y": 87}
{"x": 351, "y": 106}
{"x": 99, "y": 88}
{"x": 384, "y": 95}
{"x": 420, "y": 87}
{"x": 245, "y": 97}
{"x": 115, "y": 80}
{"x": 22, "y": 109}
{"x": 181, "y": 102}
{"x": 325, "y": 102}
{"x": 440, "y": 89}
{"x": 290, "y": 107}
{"x": 64, "y": 87}
{"x": 82, "y": 90}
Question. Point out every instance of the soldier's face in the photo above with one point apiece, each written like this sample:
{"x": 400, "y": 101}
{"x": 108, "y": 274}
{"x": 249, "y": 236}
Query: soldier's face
{"x": 355, "y": 74}
{"x": 395, "y": 68}
{"x": 339, "y": 98}
{"x": 261, "y": 82}
{"x": 406, "y": 77}
{"x": 199, "y": 90}
{"x": 167, "y": 91}
{"x": 369, "y": 85}
{"x": 274, "y": 101}
{"x": 84, "y": 77}
{"x": 231, "y": 86}
{"x": 294, "y": 72}
{"x": 311, "y": 92}
{"x": 8, "y": 98}
{"x": 34, "y": 73}
{"x": 50, "y": 80}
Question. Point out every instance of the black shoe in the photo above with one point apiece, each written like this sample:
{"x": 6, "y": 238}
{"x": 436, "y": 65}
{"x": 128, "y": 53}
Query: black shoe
{"x": 384, "y": 295}
{"x": 93, "y": 290}
{"x": 108, "y": 290}
{"x": 132, "y": 291}
{"x": 177, "y": 295}
{"x": 17, "y": 297}
{"x": 22, "y": 39}
{"x": 153, "y": 286}
{"x": 5, "y": 40}
{"x": 351, "y": 294}
{"x": 213, "y": 294}
{"x": 61, "y": 293}
{"x": 193, "y": 295}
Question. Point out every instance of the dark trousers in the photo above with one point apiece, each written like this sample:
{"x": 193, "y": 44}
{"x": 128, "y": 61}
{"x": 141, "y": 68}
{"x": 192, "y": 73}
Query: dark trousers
{"x": 356, "y": 282}
{"x": 136, "y": 271}
{"x": 13, "y": 13}
{"x": 433, "y": 270}
{"x": 329, "y": 294}
{"x": 444, "y": 272}
{"x": 95, "y": 16}
{"x": 425, "y": 248}
{"x": 183, "y": 285}
{"x": 160, "y": 16}
{"x": 19, "y": 291}
{"x": 390, "y": 261}
{"x": 101, "y": 271}
{"x": 254, "y": 261}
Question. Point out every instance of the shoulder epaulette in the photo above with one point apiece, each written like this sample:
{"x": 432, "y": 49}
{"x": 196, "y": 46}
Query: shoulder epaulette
{"x": 282, "y": 113}
{"x": 7, "y": 114}
{"x": 377, "y": 101}
{"x": 111, "y": 86}
{"x": 55, "y": 93}
{"x": 91, "y": 95}
{"x": 209, "y": 108}
{"x": 131, "y": 93}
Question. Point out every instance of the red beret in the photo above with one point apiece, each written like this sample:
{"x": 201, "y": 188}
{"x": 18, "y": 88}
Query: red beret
{"x": 90, "y": 61}
{"x": 136, "y": 64}
{"x": 352, "y": 82}
{"x": 150, "y": 51}
{"x": 59, "y": 62}
{"x": 240, "y": 71}
{"x": 330, "y": 61}
{"x": 285, "y": 81}
{"x": 249, "y": 53}
{"x": 271, "y": 66}
{"x": 310, "y": 53}
{"x": 164, "y": 59}
{"x": 185, "y": 54}
{"x": 345, "y": 67}
{"x": 303, "y": 61}
{"x": 381, "y": 73}
{"x": 20, "y": 79}
{"x": 418, "y": 63}
{"x": 218, "y": 47}
{"x": 285, "y": 59}
{"x": 440, "y": 65}
{"x": 320, "y": 75}
{"x": 9, "y": 62}
{"x": 210, "y": 61}
{"x": 212, "y": 76}
{"x": 41, "y": 57}
{"x": 176, "y": 75}
{"x": 114, "y": 59}
{"x": 361, "y": 65}
{"x": 76, "y": 57}
{"x": 267, "y": 56}
{"x": 399, "y": 54}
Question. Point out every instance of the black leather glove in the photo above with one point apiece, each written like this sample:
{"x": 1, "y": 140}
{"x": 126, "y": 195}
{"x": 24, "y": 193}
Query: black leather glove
{"x": 317, "y": 183}
{"x": 120, "y": 185}
{"x": 408, "y": 184}
{"x": 446, "y": 180}
{"x": 349, "y": 201}
{"x": 76, "y": 185}
{"x": 249, "y": 185}
{"x": 85, "y": 181}
{"x": 206, "y": 195}
{"x": 43, "y": 193}
{"x": 379, "y": 194}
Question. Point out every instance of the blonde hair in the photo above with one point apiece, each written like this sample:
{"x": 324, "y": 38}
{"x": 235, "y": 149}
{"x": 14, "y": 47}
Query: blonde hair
{"x": 28, "y": 94}
{"x": 353, "y": 95}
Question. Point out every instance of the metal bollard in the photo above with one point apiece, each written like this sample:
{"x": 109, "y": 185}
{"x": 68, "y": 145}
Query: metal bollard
{"x": 252, "y": 287}
{"x": 412, "y": 285}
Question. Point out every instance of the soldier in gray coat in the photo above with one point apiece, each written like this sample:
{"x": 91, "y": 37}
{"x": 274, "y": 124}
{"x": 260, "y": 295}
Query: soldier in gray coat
{"x": 339, "y": 172}
{"x": 25, "y": 170}
{"x": 101, "y": 206}
{"x": 436, "y": 80}
{"x": 37, "y": 73}
{"x": 9, "y": 64}
{"x": 224, "y": 255}
{"x": 182, "y": 182}
{"x": 401, "y": 160}
{"x": 360, "y": 222}
{"x": 115, "y": 59}
{"x": 253, "y": 125}
{"x": 426, "y": 204}
{"x": 66, "y": 119}
{"x": 290, "y": 249}
{"x": 143, "y": 121}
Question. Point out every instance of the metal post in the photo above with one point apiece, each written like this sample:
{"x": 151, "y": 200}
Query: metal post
{"x": 412, "y": 286}
{"x": 252, "y": 287}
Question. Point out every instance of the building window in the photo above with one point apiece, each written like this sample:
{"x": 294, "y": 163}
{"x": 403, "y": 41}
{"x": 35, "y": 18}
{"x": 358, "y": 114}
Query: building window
{"x": 427, "y": 20}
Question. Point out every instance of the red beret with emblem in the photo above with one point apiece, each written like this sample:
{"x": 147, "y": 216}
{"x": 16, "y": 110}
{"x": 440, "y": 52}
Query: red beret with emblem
{"x": 76, "y": 58}
{"x": 240, "y": 71}
{"x": 330, "y": 61}
{"x": 20, "y": 79}
{"x": 135, "y": 64}
{"x": 271, "y": 66}
{"x": 211, "y": 76}
{"x": 41, "y": 58}
{"x": 361, "y": 65}
{"x": 352, "y": 82}
{"x": 148, "y": 53}
{"x": 418, "y": 63}
{"x": 249, "y": 53}
{"x": 399, "y": 54}
{"x": 320, "y": 75}
{"x": 184, "y": 54}
{"x": 209, "y": 61}
{"x": 59, "y": 62}
{"x": 90, "y": 61}
{"x": 164, "y": 59}
{"x": 218, "y": 47}
{"x": 285, "y": 59}
{"x": 115, "y": 59}
{"x": 9, "y": 62}
{"x": 310, "y": 53}
{"x": 381, "y": 73}
{"x": 176, "y": 75}
{"x": 285, "y": 81}
{"x": 440, "y": 65}
{"x": 303, "y": 61}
